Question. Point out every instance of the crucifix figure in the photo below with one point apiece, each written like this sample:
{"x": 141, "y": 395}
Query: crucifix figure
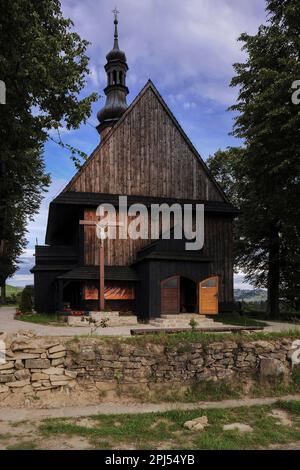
{"x": 101, "y": 227}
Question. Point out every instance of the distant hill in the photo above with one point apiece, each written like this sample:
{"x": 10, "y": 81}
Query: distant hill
{"x": 253, "y": 295}
{"x": 12, "y": 290}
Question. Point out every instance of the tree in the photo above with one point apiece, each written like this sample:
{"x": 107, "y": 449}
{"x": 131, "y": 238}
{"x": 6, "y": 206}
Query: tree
{"x": 43, "y": 63}
{"x": 251, "y": 230}
{"x": 268, "y": 248}
{"x": 22, "y": 188}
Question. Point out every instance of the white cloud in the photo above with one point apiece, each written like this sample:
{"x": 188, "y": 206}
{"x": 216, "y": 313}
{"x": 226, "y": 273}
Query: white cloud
{"x": 241, "y": 283}
{"x": 27, "y": 253}
{"x": 189, "y": 105}
{"x": 95, "y": 75}
{"x": 178, "y": 44}
{"x": 22, "y": 277}
{"x": 20, "y": 280}
{"x": 36, "y": 229}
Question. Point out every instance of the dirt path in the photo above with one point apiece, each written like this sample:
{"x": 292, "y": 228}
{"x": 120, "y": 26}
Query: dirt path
{"x": 289, "y": 446}
{"x": 9, "y": 325}
{"x": 22, "y": 414}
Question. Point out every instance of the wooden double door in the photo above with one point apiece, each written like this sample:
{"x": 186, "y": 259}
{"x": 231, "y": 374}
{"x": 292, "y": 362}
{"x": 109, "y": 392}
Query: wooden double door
{"x": 206, "y": 302}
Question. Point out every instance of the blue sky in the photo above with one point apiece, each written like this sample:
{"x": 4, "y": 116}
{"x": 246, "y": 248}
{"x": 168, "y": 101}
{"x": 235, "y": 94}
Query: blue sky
{"x": 187, "y": 48}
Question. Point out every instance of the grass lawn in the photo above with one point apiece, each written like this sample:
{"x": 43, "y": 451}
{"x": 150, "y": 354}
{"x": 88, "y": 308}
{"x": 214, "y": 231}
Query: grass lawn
{"x": 9, "y": 305}
{"x": 166, "y": 431}
{"x": 235, "y": 318}
{"x": 42, "y": 318}
{"x": 189, "y": 337}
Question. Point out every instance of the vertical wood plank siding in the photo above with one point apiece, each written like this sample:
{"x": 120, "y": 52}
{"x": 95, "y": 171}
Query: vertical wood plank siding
{"x": 147, "y": 155}
{"x": 217, "y": 246}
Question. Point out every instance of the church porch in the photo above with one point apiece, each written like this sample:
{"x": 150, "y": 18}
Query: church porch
{"x": 78, "y": 290}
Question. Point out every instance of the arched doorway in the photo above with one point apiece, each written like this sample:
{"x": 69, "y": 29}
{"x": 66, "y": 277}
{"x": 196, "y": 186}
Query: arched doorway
{"x": 188, "y": 296}
{"x": 178, "y": 295}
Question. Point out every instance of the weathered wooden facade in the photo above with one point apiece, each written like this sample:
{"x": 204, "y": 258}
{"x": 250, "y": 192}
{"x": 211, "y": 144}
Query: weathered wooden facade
{"x": 145, "y": 155}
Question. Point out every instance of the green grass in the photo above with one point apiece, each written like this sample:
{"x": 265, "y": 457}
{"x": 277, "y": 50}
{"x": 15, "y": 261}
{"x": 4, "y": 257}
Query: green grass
{"x": 276, "y": 387}
{"x": 9, "y": 305}
{"x": 291, "y": 406}
{"x": 235, "y": 318}
{"x": 202, "y": 391}
{"x": 188, "y": 337}
{"x": 42, "y": 318}
{"x": 12, "y": 290}
{"x": 153, "y": 430}
{"x": 23, "y": 445}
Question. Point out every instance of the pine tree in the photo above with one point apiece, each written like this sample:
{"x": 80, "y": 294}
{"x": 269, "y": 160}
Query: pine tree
{"x": 267, "y": 172}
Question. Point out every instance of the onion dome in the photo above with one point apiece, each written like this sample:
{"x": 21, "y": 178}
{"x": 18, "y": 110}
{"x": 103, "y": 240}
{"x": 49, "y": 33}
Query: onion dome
{"x": 116, "y": 89}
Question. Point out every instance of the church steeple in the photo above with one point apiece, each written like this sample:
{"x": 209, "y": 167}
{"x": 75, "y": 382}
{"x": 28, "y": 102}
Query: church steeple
{"x": 116, "y": 89}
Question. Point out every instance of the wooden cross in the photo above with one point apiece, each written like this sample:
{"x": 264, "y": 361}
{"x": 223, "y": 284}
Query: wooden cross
{"x": 102, "y": 227}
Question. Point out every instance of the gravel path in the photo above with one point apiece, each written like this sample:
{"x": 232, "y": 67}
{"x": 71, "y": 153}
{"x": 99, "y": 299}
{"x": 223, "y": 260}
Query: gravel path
{"x": 21, "y": 414}
{"x": 9, "y": 325}
{"x": 274, "y": 326}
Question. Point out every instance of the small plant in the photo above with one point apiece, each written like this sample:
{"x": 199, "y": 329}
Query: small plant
{"x": 193, "y": 323}
{"x": 296, "y": 376}
{"x": 104, "y": 323}
{"x": 100, "y": 324}
{"x": 118, "y": 376}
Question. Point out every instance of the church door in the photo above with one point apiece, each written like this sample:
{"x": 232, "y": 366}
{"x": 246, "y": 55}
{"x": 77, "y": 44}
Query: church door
{"x": 208, "y": 296}
{"x": 170, "y": 295}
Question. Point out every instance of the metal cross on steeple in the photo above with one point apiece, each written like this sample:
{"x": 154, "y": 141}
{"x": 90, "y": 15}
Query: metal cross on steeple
{"x": 115, "y": 12}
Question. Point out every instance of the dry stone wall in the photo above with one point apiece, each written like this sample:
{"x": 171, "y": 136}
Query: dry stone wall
{"x": 35, "y": 365}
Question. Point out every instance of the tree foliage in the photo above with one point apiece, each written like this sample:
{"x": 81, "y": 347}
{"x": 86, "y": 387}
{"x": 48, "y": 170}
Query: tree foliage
{"x": 43, "y": 63}
{"x": 266, "y": 175}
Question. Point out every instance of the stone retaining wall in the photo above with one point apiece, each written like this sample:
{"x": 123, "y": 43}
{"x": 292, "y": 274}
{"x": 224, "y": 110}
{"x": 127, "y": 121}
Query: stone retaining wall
{"x": 34, "y": 365}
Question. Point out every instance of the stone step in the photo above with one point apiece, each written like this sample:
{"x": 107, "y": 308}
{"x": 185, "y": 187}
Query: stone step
{"x": 183, "y": 315}
{"x": 112, "y": 320}
{"x": 181, "y": 320}
{"x": 101, "y": 315}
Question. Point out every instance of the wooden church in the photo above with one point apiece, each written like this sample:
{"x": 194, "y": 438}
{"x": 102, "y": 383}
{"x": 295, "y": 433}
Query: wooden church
{"x": 143, "y": 154}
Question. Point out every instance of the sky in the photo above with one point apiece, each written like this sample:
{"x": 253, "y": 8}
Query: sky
{"x": 187, "y": 48}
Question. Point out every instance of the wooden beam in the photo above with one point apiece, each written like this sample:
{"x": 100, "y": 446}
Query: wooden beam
{"x": 101, "y": 257}
{"x": 229, "y": 329}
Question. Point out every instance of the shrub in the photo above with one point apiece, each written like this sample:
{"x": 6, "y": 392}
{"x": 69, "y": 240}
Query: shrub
{"x": 26, "y": 303}
{"x": 193, "y": 323}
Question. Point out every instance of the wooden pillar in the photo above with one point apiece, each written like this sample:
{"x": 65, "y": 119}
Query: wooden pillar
{"x": 101, "y": 268}
{"x": 60, "y": 295}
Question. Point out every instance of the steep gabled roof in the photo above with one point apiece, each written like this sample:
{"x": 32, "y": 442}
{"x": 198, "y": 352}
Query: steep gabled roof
{"x": 149, "y": 86}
